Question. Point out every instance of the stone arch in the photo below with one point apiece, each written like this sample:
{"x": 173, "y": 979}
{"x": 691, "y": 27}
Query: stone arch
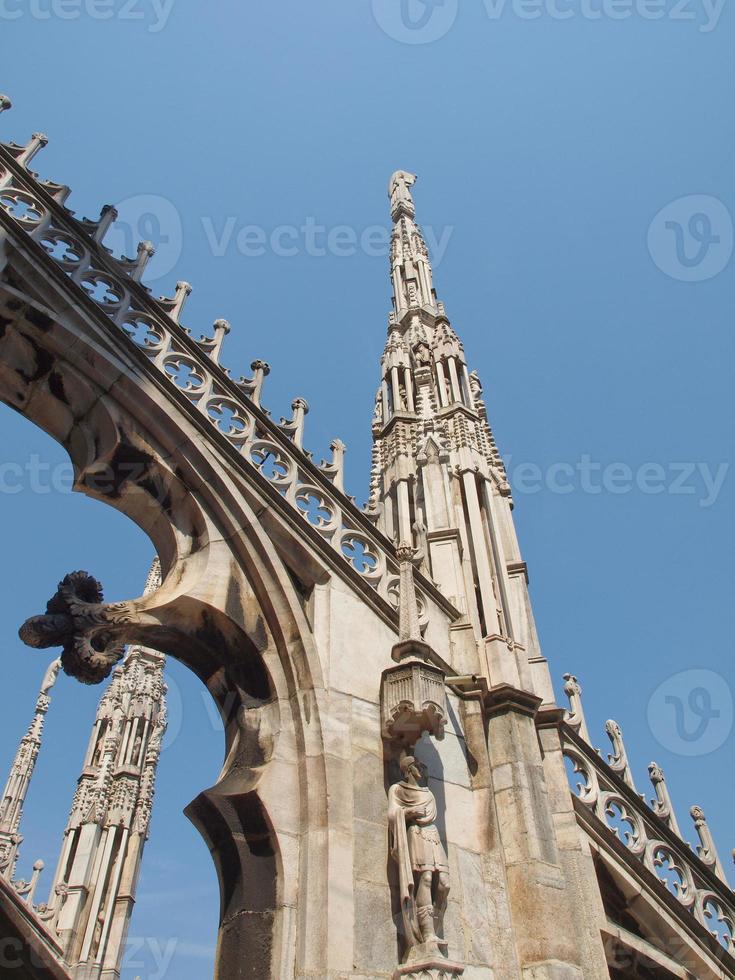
{"x": 227, "y": 607}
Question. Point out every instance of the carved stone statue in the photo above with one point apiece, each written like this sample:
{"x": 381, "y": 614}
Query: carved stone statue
{"x": 50, "y": 676}
{"x": 401, "y": 201}
{"x": 415, "y": 845}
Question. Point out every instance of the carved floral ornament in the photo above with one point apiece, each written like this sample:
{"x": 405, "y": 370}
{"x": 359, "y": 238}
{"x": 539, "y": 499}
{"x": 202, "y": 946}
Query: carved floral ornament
{"x": 87, "y": 629}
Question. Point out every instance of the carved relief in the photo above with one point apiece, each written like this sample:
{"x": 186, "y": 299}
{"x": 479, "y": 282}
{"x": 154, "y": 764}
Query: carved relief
{"x": 77, "y": 620}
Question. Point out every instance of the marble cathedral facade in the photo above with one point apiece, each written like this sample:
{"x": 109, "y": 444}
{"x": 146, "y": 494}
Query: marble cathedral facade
{"x": 396, "y": 798}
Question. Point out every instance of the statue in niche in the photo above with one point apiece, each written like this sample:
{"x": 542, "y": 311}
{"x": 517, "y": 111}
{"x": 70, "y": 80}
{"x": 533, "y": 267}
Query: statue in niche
{"x": 99, "y": 745}
{"x": 415, "y": 845}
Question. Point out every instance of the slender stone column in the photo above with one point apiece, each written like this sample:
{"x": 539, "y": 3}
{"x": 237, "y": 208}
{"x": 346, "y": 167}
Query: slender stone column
{"x": 482, "y": 559}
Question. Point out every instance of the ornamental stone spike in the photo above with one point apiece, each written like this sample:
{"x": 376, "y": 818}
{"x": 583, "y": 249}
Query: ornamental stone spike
{"x": 19, "y": 779}
{"x": 619, "y": 758}
{"x": 36, "y": 143}
{"x": 221, "y": 329}
{"x": 338, "y": 462}
{"x": 146, "y": 251}
{"x": 261, "y": 370}
{"x": 183, "y": 290}
{"x": 706, "y": 849}
{"x": 108, "y": 215}
{"x": 300, "y": 408}
{"x": 5, "y": 103}
{"x": 662, "y": 805}
{"x": 27, "y": 890}
{"x": 575, "y": 716}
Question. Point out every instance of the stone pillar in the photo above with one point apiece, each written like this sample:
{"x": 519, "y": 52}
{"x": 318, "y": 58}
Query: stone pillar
{"x": 538, "y": 893}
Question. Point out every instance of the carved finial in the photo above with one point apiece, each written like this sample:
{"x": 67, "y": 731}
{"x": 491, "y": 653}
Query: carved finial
{"x": 36, "y": 143}
{"x": 575, "y": 716}
{"x": 300, "y": 410}
{"x": 38, "y": 867}
{"x": 619, "y": 758}
{"x": 662, "y": 805}
{"x": 261, "y": 370}
{"x": 221, "y": 329}
{"x": 5, "y": 103}
{"x": 183, "y": 290}
{"x": 401, "y": 202}
{"x": 338, "y": 462}
{"x": 706, "y": 849}
{"x": 108, "y": 215}
{"x": 146, "y": 251}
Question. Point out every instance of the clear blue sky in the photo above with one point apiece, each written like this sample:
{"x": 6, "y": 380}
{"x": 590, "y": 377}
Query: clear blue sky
{"x": 545, "y": 147}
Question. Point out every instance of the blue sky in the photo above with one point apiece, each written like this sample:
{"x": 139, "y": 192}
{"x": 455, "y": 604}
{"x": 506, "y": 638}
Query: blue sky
{"x": 575, "y": 166}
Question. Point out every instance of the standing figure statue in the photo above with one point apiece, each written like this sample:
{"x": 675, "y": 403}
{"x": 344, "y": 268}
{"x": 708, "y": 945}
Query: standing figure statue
{"x": 423, "y": 869}
{"x": 401, "y": 202}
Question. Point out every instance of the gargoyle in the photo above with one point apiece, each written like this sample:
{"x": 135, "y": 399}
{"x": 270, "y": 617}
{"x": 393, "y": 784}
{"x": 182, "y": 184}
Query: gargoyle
{"x": 89, "y": 630}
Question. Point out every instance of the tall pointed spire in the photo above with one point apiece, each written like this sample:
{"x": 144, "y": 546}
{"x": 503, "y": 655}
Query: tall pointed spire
{"x": 93, "y": 891}
{"x": 409, "y": 256}
{"x": 19, "y": 780}
{"x": 437, "y": 481}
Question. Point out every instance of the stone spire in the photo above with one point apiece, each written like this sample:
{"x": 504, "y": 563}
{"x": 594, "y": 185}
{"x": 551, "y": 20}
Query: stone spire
{"x": 93, "y": 891}
{"x": 437, "y": 481}
{"x": 19, "y": 780}
{"x": 409, "y": 256}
